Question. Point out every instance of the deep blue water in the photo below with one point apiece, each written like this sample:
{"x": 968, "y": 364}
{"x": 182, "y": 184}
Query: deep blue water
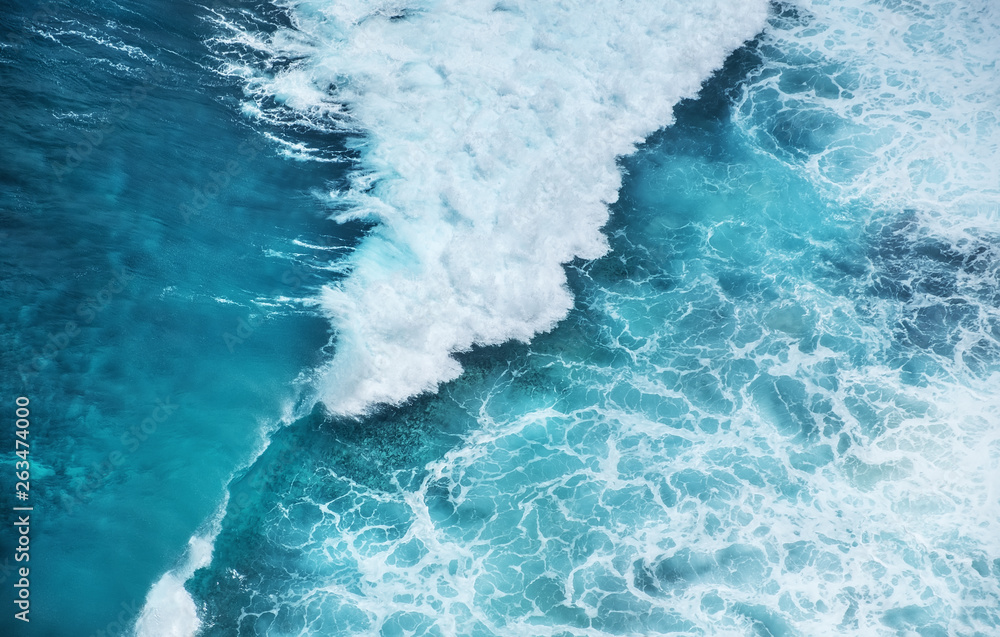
{"x": 104, "y": 533}
{"x": 769, "y": 408}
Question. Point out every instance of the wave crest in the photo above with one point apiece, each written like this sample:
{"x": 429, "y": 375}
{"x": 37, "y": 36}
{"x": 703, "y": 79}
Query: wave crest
{"x": 490, "y": 137}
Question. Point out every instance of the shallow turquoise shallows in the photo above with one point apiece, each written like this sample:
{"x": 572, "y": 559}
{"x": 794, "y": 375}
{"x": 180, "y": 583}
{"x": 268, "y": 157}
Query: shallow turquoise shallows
{"x": 345, "y": 317}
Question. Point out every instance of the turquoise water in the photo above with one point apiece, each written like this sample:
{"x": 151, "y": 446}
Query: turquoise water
{"x": 767, "y": 408}
{"x": 104, "y": 532}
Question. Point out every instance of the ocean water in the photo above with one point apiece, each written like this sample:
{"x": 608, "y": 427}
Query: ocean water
{"x": 504, "y": 318}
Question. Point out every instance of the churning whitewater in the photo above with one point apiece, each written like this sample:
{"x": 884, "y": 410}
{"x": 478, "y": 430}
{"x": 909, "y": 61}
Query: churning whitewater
{"x": 748, "y": 386}
{"x": 488, "y": 133}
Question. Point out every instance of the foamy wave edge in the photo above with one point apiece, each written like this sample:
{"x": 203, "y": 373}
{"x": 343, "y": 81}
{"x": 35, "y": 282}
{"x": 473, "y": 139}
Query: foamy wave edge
{"x": 490, "y": 133}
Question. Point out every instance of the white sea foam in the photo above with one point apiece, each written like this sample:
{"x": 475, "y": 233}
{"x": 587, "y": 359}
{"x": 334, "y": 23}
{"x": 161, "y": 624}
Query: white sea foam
{"x": 491, "y": 134}
{"x": 892, "y": 103}
{"x": 169, "y": 610}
